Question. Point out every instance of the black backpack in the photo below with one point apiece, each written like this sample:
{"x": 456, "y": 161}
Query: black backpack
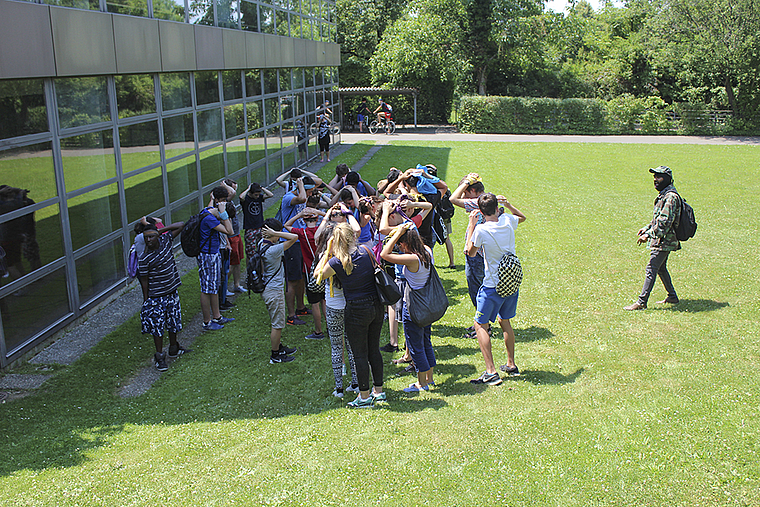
{"x": 687, "y": 224}
{"x": 255, "y": 271}
{"x": 445, "y": 208}
{"x": 190, "y": 236}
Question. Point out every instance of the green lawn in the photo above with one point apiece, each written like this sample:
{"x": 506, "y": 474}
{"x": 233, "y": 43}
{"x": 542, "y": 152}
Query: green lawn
{"x": 613, "y": 408}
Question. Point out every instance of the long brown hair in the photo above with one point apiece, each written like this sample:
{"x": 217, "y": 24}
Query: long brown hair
{"x": 412, "y": 243}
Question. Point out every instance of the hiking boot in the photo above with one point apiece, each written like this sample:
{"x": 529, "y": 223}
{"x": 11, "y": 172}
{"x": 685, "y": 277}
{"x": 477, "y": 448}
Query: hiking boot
{"x": 159, "y": 360}
{"x": 178, "y": 352}
{"x": 491, "y": 379}
{"x": 303, "y": 311}
{"x": 315, "y": 336}
{"x": 510, "y": 371}
{"x": 360, "y": 403}
{"x": 212, "y": 326}
{"x": 389, "y": 348}
{"x": 634, "y": 307}
{"x": 295, "y": 321}
{"x": 280, "y": 357}
{"x": 284, "y": 349}
{"x": 669, "y": 300}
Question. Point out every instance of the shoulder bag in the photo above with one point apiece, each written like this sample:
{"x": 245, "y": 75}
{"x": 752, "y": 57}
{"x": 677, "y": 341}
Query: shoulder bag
{"x": 387, "y": 290}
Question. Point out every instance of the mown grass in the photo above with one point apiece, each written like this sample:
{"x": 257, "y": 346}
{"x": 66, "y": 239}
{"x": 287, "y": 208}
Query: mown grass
{"x": 613, "y": 408}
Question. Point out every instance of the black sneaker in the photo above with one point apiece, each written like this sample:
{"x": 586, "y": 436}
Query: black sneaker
{"x": 159, "y": 360}
{"x": 280, "y": 358}
{"x": 512, "y": 372}
{"x": 180, "y": 350}
{"x": 287, "y": 350}
{"x": 491, "y": 379}
{"x": 389, "y": 348}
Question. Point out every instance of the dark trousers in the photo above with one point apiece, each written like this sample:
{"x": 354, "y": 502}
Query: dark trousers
{"x": 657, "y": 266}
{"x": 364, "y": 321}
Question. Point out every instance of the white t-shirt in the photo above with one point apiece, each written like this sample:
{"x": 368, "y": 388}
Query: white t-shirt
{"x": 496, "y": 239}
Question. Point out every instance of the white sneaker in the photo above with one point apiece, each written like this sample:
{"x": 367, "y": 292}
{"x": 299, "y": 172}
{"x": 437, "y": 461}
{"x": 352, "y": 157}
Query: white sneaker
{"x": 352, "y": 389}
{"x": 230, "y": 294}
{"x": 240, "y": 288}
{"x": 337, "y": 394}
{"x": 344, "y": 370}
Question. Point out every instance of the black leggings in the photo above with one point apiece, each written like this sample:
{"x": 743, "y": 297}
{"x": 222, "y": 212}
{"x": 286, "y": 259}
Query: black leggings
{"x": 364, "y": 322}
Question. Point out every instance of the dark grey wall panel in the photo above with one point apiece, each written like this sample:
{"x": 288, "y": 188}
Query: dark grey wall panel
{"x": 138, "y": 47}
{"x": 177, "y": 46}
{"x": 234, "y": 49}
{"x": 209, "y": 48}
{"x": 83, "y": 42}
{"x": 26, "y": 48}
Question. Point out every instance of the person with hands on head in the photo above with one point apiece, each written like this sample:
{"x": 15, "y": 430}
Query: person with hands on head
{"x": 272, "y": 251}
{"x": 252, "y": 200}
{"x": 338, "y": 213}
{"x": 160, "y": 280}
{"x": 287, "y": 180}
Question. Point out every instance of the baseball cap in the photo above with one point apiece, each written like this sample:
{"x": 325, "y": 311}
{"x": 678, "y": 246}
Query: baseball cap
{"x": 662, "y": 169}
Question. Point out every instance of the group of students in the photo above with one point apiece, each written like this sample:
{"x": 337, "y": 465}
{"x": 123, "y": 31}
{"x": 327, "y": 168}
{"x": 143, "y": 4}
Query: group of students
{"x": 327, "y": 241}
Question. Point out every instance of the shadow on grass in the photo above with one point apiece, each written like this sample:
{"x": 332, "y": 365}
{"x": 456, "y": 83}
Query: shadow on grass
{"x": 539, "y": 377}
{"x": 532, "y": 334}
{"x": 695, "y": 305}
{"x": 454, "y": 290}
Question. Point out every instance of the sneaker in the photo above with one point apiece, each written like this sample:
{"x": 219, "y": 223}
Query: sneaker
{"x": 315, "y": 336}
{"x": 279, "y": 357}
{"x": 230, "y": 293}
{"x": 159, "y": 360}
{"x": 353, "y": 389}
{"x": 295, "y": 321}
{"x": 491, "y": 379}
{"x": 338, "y": 394}
{"x": 378, "y": 396}
{"x": 511, "y": 372}
{"x": 360, "y": 403}
{"x": 389, "y": 348}
{"x": 212, "y": 326}
{"x": 469, "y": 332}
{"x": 284, "y": 349}
{"x": 227, "y": 304}
{"x": 303, "y": 311}
{"x": 180, "y": 350}
{"x": 414, "y": 389}
{"x": 240, "y": 288}
{"x": 224, "y": 320}
{"x": 344, "y": 371}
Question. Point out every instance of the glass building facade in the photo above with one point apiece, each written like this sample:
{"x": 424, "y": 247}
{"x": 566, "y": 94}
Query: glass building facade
{"x": 115, "y": 109}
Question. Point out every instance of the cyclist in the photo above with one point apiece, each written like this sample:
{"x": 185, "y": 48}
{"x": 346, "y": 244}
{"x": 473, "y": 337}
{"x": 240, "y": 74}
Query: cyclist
{"x": 383, "y": 111}
{"x": 362, "y": 114}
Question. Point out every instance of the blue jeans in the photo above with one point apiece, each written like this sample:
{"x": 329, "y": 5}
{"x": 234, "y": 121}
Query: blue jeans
{"x": 474, "y": 272}
{"x": 419, "y": 344}
{"x": 363, "y": 324}
{"x": 225, "y": 275}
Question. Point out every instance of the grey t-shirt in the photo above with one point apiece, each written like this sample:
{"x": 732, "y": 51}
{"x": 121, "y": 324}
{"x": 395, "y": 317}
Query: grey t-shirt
{"x": 274, "y": 270}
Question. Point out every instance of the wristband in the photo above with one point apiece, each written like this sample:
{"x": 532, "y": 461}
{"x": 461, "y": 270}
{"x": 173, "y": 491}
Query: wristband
{"x": 223, "y": 215}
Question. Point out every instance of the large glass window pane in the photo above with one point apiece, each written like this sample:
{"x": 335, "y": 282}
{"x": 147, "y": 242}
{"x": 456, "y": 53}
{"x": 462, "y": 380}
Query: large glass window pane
{"x": 99, "y": 270}
{"x": 249, "y": 16}
{"x": 298, "y": 79}
{"x": 139, "y": 146}
{"x": 144, "y": 193}
{"x": 232, "y": 84}
{"x": 274, "y": 143}
{"x": 283, "y": 27}
{"x": 209, "y": 127}
{"x": 256, "y": 150}
{"x": 29, "y": 167}
{"x": 29, "y": 311}
{"x": 227, "y": 13}
{"x": 309, "y": 73}
{"x": 130, "y": 7}
{"x": 93, "y": 5}
{"x": 135, "y": 95}
{"x": 178, "y": 135}
{"x": 234, "y": 121}
{"x": 254, "y": 115}
{"x": 212, "y": 165}
{"x": 31, "y": 240}
{"x": 201, "y": 12}
{"x": 295, "y": 26}
{"x": 302, "y": 138}
{"x": 82, "y": 100}
{"x": 285, "y": 84}
{"x": 287, "y": 106}
{"x": 184, "y": 211}
{"x": 270, "y": 80}
{"x": 253, "y": 83}
{"x": 88, "y": 159}
{"x": 272, "y": 110}
{"x": 173, "y": 10}
{"x": 94, "y": 214}
{"x": 236, "y": 158}
{"x": 22, "y": 108}
{"x": 266, "y": 19}
{"x": 175, "y": 91}
{"x": 298, "y": 106}
{"x": 206, "y": 87}
{"x": 182, "y": 176}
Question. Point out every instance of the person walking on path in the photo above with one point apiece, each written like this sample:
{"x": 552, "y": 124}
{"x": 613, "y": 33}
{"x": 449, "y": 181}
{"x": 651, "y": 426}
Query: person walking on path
{"x": 660, "y": 237}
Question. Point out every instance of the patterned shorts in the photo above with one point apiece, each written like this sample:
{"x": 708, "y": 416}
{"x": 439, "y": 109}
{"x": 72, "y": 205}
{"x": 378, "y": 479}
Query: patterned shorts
{"x": 159, "y": 312}
{"x": 210, "y": 272}
{"x": 252, "y": 238}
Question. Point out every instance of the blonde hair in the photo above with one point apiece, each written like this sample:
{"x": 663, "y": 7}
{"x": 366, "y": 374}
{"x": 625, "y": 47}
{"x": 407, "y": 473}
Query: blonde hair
{"x": 341, "y": 243}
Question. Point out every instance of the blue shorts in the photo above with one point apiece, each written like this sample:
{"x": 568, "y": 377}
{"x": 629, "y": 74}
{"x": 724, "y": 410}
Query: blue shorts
{"x": 161, "y": 312}
{"x": 210, "y": 272}
{"x": 360, "y": 118}
{"x": 490, "y": 305}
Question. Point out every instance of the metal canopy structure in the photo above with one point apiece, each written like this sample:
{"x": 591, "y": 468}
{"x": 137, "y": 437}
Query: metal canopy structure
{"x": 380, "y": 92}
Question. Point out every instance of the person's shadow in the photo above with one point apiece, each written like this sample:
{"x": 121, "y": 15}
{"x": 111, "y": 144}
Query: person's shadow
{"x": 696, "y": 305}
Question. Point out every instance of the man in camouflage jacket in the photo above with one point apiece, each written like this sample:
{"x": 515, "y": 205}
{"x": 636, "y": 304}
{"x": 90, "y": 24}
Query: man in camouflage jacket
{"x": 660, "y": 236}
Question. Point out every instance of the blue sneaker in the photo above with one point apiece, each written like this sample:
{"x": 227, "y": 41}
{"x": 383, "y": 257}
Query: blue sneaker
{"x": 414, "y": 389}
{"x": 360, "y": 403}
{"x": 224, "y": 320}
{"x": 378, "y": 396}
{"x": 212, "y": 326}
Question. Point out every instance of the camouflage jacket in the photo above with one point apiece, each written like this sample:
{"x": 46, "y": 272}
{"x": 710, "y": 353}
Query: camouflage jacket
{"x": 667, "y": 213}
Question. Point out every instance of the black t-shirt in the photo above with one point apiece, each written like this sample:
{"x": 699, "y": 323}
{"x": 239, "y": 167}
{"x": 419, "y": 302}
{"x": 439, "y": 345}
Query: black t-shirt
{"x": 360, "y": 284}
{"x": 253, "y": 211}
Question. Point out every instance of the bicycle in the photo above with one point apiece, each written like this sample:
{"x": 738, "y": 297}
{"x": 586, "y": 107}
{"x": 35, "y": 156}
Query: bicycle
{"x": 334, "y": 128}
{"x": 388, "y": 125}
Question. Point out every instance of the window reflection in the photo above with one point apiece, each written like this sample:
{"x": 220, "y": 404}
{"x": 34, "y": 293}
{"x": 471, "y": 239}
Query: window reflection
{"x": 29, "y": 311}
{"x": 175, "y": 91}
{"x": 182, "y": 176}
{"x": 130, "y": 7}
{"x": 253, "y": 83}
{"x": 270, "y": 81}
{"x": 29, "y": 167}
{"x": 135, "y": 95}
{"x": 249, "y": 16}
{"x": 93, "y": 5}
{"x": 201, "y": 12}
{"x": 209, "y": 127}
{"x": 212, "y": 165}
{"x": 206, "y": 87}
{"x": 184, "y": 211}
{"x": 144, "y": 194}
{"x": 283, "y": 27}
{"x": 266, "y": 19}
{"x": 234, "y": 121}
{"x": 298, "y": 79}
{"x": 88, "y": 159}
{"x": 98, "y": 271}
{"x": 302, "y": 138}
{"x": 285, "y": 84}
{"x": 22, "y": 103}
{"x": 272, "y": 110}
{"x": 273, "y": 140}
{"x": 94, "y": 214}
{"x": 236, "y": 157}
{"x": 173, "y": 10}
{"x": 295, "y": 25}
{"x": 82, "y": 101}
{"x": 232, "y": 85}
{"x": 227, "y": 13}
{"x": 256, "y": 150}
{"x": 178, "y": 135}
{"x": 139, "y": 146}
{"x": 254, "y": 115}
{"x": 287, "y": 106}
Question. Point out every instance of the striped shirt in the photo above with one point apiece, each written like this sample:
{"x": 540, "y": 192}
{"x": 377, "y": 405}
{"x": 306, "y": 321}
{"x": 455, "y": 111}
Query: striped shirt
{"x": 160, "y": 268}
